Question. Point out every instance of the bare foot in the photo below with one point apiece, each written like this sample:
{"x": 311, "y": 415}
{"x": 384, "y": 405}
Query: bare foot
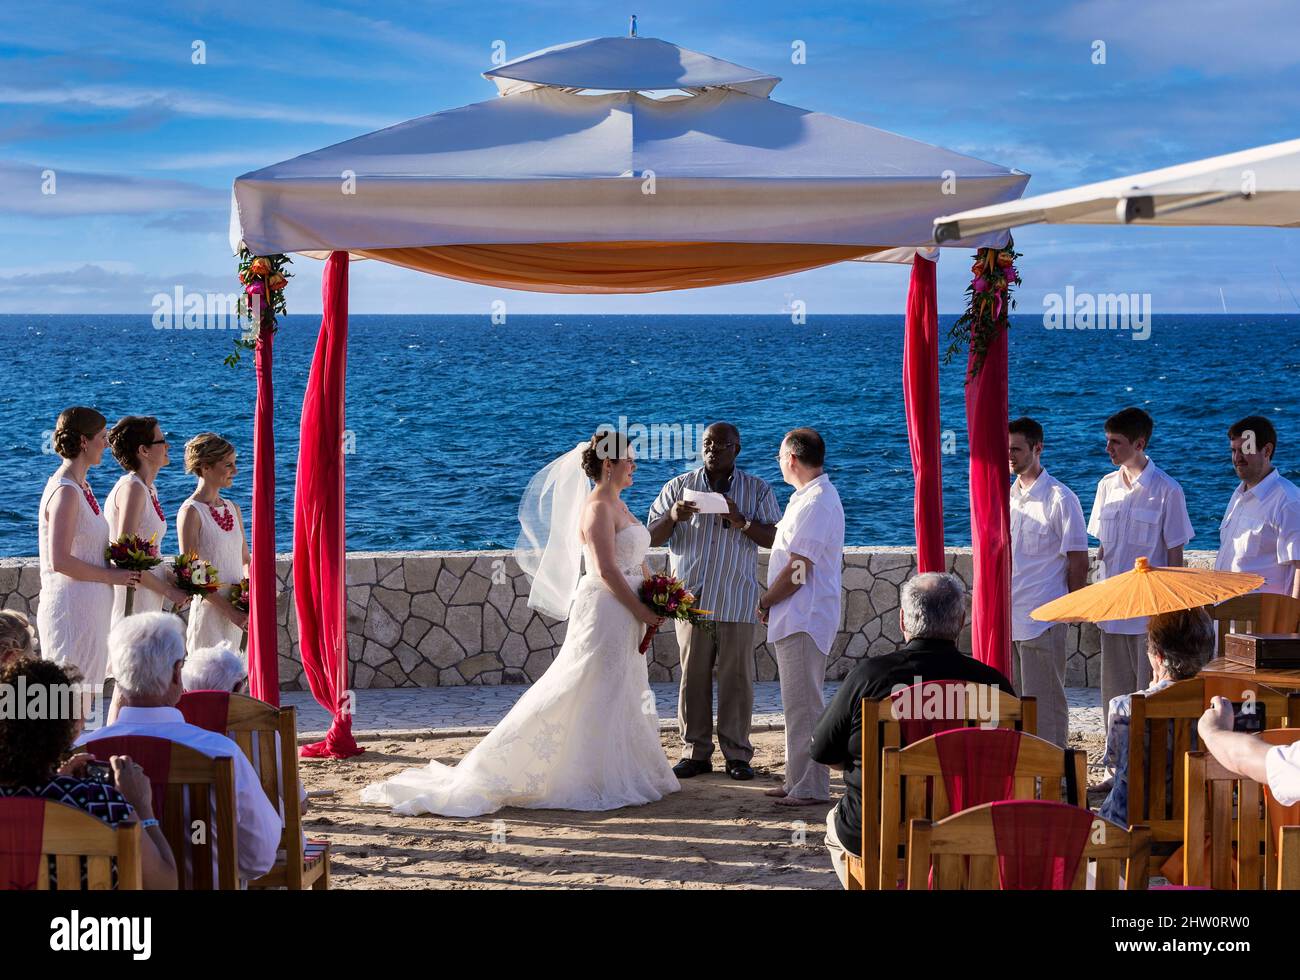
{"x": 775, "y": 791}
{"x": 798, "y": 801}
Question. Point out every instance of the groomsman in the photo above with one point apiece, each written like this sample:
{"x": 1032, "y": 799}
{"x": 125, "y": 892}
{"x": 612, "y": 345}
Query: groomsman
{"x": 802, "y": 608}
{"x": 1139, "y": 512}
{"x": 1049, "y": 557}
{"x": 716, "y": 555}
{"x": 1260, "y": 532}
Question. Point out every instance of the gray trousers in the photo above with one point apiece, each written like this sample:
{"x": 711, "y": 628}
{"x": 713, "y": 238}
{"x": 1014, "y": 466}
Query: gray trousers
{"x": 802, "y": 669}
{"x": 1038, "y": 666}
{"x": 1125, "y": 668}
{"x": 839, "y": 855}
{"x": 729, "y": 649}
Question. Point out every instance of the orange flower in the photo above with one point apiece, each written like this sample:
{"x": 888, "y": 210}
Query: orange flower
{"x": 278, "y": 281}
{"x": 259, "y": 267}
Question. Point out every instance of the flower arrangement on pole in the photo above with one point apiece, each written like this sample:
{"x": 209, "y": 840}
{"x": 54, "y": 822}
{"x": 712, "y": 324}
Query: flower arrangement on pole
{"x": 263, "y": 278}
{"x": 988, "y": 304}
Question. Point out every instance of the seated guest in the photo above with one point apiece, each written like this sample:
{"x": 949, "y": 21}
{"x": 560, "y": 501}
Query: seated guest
{"x": 30, "y": 752}
{"x": 16, "y": 635}
{"x": 1277, "y": 766}
{"x": 217, "y": 668}
{"x": 932, "y": 611}
{"x": 147, "y": 652}
{"x": 1178, "y": 644}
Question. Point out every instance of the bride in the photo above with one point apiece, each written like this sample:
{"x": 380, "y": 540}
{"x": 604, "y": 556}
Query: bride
{"x": 586, "y": 735}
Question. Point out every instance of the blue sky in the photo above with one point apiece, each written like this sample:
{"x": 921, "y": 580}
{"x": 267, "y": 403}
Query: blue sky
{"x": 145, "y": 143}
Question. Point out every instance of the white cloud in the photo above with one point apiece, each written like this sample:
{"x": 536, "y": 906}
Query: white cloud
{"x": 23, "y": 189}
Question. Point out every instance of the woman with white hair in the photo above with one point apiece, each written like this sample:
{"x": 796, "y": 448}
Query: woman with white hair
{"x": 217, "y": 668}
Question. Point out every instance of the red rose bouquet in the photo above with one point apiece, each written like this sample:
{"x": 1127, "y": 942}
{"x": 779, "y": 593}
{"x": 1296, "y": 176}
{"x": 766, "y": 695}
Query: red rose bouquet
{"x": 670, "y": 598}
{"x": 135, "y": 554}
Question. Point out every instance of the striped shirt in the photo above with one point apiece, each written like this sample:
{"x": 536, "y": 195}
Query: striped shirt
{"x": 719, "y": 564}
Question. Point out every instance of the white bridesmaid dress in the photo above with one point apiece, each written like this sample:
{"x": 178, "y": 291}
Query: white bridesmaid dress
{"x": 225, "y": 550}
{"x": 73, "y": 617}
{"x": 152, "y": 523}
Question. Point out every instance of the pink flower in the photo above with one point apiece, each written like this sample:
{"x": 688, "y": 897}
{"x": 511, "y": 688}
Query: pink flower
{"x": 255, "y": 288}
{"x": 980, "y": 284}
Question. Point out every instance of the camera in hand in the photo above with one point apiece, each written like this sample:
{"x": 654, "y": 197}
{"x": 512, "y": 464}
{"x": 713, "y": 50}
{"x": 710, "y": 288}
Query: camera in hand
{"x": 1247, "y": 716}
{"x": 99, "y": 772}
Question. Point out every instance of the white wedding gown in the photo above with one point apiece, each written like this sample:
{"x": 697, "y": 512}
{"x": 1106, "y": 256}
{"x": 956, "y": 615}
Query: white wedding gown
{"x": 584, "y": 737}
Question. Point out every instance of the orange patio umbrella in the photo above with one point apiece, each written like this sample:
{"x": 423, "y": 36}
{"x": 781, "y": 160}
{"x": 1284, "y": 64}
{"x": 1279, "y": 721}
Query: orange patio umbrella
{"x": 1146, "y": 591}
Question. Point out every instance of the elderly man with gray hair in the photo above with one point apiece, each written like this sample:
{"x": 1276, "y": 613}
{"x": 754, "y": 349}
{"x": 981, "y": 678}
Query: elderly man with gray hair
{"x": 932, "y": 611}
{"x": 147, "y": 653}
{"x": 218, "y": 668}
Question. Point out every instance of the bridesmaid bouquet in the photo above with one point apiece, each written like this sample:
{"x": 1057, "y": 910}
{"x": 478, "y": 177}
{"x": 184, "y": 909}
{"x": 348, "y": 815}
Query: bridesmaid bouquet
{"x": 194, "y": 576}
{"x": 135, "y": 554}
{"x": 670, "y": 598}
{"x": 238, "y": 596}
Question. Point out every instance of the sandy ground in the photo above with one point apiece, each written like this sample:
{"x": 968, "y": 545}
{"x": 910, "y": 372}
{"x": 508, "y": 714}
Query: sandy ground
{"x": 715, "y": 833}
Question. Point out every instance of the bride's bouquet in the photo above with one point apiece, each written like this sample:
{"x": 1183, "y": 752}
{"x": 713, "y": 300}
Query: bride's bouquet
{"x": 670, "y": 598}
{"x": 194, "y": 576}
{"x": 135, "y": 554}
{"x": 238, "y": 596}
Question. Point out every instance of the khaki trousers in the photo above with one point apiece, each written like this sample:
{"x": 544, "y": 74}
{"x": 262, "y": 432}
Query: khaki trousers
{"x": 839, "y": 855}
{"x": 730, "y": 649}
{"x": 1125, "y": 668}
{"x": 802, "y": 669}
{"x": 1038, "y": 666}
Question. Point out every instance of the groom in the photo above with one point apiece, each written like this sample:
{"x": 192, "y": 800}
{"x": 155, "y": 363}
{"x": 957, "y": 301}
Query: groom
{"x": 716, "y": 555}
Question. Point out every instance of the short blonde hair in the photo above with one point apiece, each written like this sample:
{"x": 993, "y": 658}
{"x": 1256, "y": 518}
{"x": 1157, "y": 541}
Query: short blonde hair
{"x": 205, "y": 449}
{"x": 16, "y": 634}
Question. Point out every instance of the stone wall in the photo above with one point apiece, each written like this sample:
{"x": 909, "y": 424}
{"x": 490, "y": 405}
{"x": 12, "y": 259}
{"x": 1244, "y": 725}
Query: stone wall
{"x": 423, "y": 619}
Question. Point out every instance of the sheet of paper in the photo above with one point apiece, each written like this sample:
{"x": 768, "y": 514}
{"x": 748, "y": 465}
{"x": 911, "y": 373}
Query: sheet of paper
{"x": 707, "y": 502}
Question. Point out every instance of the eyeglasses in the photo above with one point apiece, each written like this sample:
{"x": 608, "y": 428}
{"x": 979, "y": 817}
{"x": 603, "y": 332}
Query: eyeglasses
{"x": 158, "y": 442}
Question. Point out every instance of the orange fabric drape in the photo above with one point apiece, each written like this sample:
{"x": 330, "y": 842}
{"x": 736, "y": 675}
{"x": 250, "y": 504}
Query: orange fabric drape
{"x": 615, "y": 267}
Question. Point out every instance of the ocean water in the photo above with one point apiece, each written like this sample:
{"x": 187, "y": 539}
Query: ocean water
{"x": 449, "y": 415}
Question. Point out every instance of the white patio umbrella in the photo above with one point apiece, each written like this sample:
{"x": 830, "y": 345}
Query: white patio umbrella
{"x": 1260, "y": 186}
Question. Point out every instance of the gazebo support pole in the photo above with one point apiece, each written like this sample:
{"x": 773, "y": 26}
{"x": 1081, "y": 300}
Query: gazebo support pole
{"x": 263, "y": 652}
{"x": 990, "y": 502}
{"x": 319, "y": 567}
{"x": 921, "y": 404}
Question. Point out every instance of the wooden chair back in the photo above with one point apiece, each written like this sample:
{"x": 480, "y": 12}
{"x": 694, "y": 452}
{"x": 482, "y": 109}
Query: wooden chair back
{"x": 881, "y": 730}
{"x": 1277, "y": 818}
{"x": 1162, "y": 731}
{"x": 70, "y": 836}
{"x": 198, "y": 812}
{"x": 1258, "y": 612}
{"x": 1223, "y": 815}
{"x": 962, "y": 850}
{"x": 1289, "y": 859}
{"x": 912, "y": 788}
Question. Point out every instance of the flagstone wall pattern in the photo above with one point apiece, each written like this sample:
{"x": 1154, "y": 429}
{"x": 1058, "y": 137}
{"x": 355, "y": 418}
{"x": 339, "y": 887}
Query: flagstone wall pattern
{"x": 425, "y": 619}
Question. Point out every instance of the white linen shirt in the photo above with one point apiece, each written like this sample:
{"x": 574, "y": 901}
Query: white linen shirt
{"x": 1282, "y": 766}
{"x": 813, "y": 526}
{"x": 256, "y": 819}
{"x": 1141, "y": 519}
{"x": 1260, "y": 532}
{"x": 1046, "y": 525}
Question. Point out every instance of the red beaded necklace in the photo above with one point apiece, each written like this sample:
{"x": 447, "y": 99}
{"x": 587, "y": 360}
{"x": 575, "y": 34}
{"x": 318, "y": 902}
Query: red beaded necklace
{"x": 157, "y": 507}
{"x": 224, "y": 520}
{"x": 90, "y": 498}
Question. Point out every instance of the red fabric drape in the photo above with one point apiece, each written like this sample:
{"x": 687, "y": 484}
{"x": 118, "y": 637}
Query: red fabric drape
{"x": 921, "y": 404}
{"x": 990, "y": 503}
{"x": 153, "y": 755}
{"x": 319, "y": 591}
{"x": 978, "y": 765}
{"x": 22, "y": 832}
{"x": 1039, "y": 843}
{"x": 263, "y": 662}
{"x": 206, "y": 709}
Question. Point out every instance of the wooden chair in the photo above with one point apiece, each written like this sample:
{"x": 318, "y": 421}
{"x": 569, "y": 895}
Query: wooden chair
{"x": 963, "y": 852}
{"x": 1235, "y": 833}
{"x": 1289, "y": 859}
{"x": 912, "y": 781}
{"x": 1258, "y": 612}
{"x": 70, "y": 836}
{"x": 195, "y": 805}
{"x": 1167, "y": 721}
{"x": 882, "y": 730}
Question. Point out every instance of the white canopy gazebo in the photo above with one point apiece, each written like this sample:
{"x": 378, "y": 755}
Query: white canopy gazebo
{"x": 619, "y": 164}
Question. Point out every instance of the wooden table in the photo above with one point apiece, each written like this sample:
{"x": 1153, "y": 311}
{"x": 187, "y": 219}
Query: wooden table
{"x": 1223, "y": 677}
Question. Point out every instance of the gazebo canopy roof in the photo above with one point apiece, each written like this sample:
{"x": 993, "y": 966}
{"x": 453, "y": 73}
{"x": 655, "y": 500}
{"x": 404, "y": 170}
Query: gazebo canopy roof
{"x": 546, "y": 164}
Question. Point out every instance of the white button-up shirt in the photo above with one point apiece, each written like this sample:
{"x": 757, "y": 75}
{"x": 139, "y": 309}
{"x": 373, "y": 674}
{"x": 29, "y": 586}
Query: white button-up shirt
{"x": 1139, "y": 519}
{"x": 1282, "y": 766}
{"x": 256, "y": 819}
{"x": 1046, "y": 525}
{"x": 1260, "y": 532}
{"x": 813, "y": 526}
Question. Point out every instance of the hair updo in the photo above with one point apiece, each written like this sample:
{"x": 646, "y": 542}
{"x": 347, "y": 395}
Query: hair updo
{"x": 126, "y": 438}
{"x": 73, "y": 424}
{"x": 205, "y": 449}
{"x": 605, "y": 444}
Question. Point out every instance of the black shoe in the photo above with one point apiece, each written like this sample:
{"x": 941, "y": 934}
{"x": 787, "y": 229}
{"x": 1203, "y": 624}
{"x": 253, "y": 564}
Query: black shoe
{"x": 737, "y": 769}
{"x": 692, "y": 767}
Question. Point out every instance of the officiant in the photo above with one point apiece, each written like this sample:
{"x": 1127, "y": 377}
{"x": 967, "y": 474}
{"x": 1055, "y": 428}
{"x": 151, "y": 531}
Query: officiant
{"x": 716, "y": 555}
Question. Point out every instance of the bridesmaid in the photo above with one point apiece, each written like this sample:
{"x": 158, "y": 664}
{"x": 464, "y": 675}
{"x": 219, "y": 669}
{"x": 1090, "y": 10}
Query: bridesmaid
{"x": 76, "y": 601}
{"x": 213, "y": 528}
{"x": 132, "y": 507}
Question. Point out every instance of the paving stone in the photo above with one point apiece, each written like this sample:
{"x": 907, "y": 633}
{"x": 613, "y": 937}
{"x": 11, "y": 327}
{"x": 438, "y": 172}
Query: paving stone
{"x": 397, "y": 603}
{"x": 473, "y": 590}
{"x": 421, "y": 573}
{"x": 428, "y": 606}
